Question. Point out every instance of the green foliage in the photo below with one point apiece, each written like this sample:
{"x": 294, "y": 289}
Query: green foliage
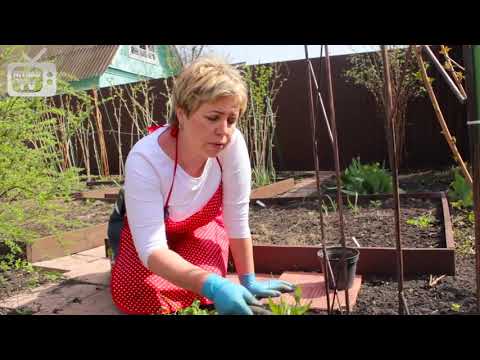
{"x": 32, "y": 171}
{"x": 195, "y": 309}
{"x": 283, "y": 308}
{"x": 471, "y": 217}
{"x": 262, "y": 177}
{"x": 366, "y": 179}
{"x": 455, "y": 307}
{"x": 460, "y": 193}
{"x": 23, "y": 311}
{"x": 11, "y": 262}
{"x": 52, "y": 276}
{"x": 422, "y": 222}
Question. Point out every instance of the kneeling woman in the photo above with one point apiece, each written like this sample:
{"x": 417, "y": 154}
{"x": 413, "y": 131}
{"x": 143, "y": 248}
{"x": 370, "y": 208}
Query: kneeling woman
{"x": 187, "y": 191}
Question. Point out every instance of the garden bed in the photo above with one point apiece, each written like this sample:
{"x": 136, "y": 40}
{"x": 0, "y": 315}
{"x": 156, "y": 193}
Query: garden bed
{"x": 78, "y": 225}
{"x": 110, "y": 194}
{"x": 288, "y": 230}
{"x": 273, "y": 189}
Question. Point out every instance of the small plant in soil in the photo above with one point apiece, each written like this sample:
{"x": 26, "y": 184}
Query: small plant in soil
{"x": 376, "y": 204}
{"x": 283, "y": 308}
{"x": 331, "y": 206}
{"x": 456, "y": 307}
{"x": 53, "y": 276}
{"x": 422, "y": 222}
{"x": 471, "y": 217}
{"x": 353, "y": 206}
{"x": 22, "y": 311}
{"x": 195, "y": 309}
{"x": 11, "y": 262}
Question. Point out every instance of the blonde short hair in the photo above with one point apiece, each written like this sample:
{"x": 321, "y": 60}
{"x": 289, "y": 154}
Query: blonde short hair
{"x": 205, "y": 80}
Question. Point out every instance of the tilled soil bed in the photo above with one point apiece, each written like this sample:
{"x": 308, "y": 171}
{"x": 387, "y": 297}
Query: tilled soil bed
{"x": 373, "y": 225}
{"x": 297, "y": 223}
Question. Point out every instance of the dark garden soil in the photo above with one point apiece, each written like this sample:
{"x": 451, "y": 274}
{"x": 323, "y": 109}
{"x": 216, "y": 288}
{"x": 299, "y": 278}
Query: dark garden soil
{"x": 18, "y": 281}
{"x": 372, "y": 224}
{"x": 74, "y": 215}
{"x": 297, "y": 224}
{"x": 379, "y": 295}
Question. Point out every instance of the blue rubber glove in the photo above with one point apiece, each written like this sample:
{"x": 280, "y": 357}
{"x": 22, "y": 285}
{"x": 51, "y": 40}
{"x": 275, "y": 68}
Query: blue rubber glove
{"x": 229, "y": 298}
{"x": 263, "y": 289}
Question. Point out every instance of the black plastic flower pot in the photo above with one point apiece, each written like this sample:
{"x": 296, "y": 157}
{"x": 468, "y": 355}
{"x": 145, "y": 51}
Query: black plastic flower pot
{"x": 351, "y": 259}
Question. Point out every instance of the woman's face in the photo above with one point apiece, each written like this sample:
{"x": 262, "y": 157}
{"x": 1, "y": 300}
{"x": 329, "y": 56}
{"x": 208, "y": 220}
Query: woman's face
{"x": 210, "y": 128}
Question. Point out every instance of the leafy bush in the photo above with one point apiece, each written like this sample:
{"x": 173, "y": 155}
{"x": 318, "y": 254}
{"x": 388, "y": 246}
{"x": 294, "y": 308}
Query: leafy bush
{"x": 460, "y": 192}
{"x": 366, "y": 179}
{"x": 32, "y": 177}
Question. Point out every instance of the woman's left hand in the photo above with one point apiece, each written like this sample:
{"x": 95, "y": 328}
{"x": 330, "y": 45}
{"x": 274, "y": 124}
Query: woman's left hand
{"x": 268, "y": 288}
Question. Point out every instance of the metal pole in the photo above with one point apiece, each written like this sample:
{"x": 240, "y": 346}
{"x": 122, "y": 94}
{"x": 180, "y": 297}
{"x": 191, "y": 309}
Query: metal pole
{"x": 393, "y": 165}
{"x": 472, "y": 76}
{"x": 337, "y": 167}
{"x": 317, "y": 176}
{"x": 324, "y": 111}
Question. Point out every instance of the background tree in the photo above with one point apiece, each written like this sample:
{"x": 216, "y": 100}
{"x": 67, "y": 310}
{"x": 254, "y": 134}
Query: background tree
{"x": 367, "y": 70}
{"x": 189, "y": 53}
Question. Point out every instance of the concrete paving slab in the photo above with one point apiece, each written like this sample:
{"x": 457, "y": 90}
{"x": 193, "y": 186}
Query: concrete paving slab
{"x": 67, "y": 263}
{"x": 96, "y": 271}
{"x": 313, "y": 289}
{"x": 99, "y": 303}
{"x": 47, "y": 299}
{"x": 98, "y": 252}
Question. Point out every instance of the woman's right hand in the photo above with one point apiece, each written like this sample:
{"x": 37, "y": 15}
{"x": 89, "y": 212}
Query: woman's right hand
{"x": 229, "y": 298}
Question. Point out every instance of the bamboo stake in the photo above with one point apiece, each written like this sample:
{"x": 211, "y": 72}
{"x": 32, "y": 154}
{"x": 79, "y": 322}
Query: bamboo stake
{"x": 402, "y": 304}
{"x": 325, "y": 261}
{"x": 452, "y": 71}
{"x": 442, "y": 72}
{"x": 86, "y": 160}
{"x": 438, "y": 112}
{"x": 112, "y": 130}
{"x": 101, "y": 138}
{"x": 99, "y": 163}
{"x": 336, "y": 158}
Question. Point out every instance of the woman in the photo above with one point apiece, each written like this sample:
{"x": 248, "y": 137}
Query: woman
{"x": 187, "y": 191}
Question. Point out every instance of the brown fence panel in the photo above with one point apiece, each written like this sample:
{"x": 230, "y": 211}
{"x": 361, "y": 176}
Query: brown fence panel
{"x": 360, "y": 125}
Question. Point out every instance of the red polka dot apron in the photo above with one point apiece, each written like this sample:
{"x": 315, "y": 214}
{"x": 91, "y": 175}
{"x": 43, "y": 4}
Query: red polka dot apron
{"x": 200, "y": 239}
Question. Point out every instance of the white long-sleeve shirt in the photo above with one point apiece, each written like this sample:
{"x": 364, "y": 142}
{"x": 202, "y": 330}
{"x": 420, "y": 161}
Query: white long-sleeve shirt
{"x": 148, "y": 177}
